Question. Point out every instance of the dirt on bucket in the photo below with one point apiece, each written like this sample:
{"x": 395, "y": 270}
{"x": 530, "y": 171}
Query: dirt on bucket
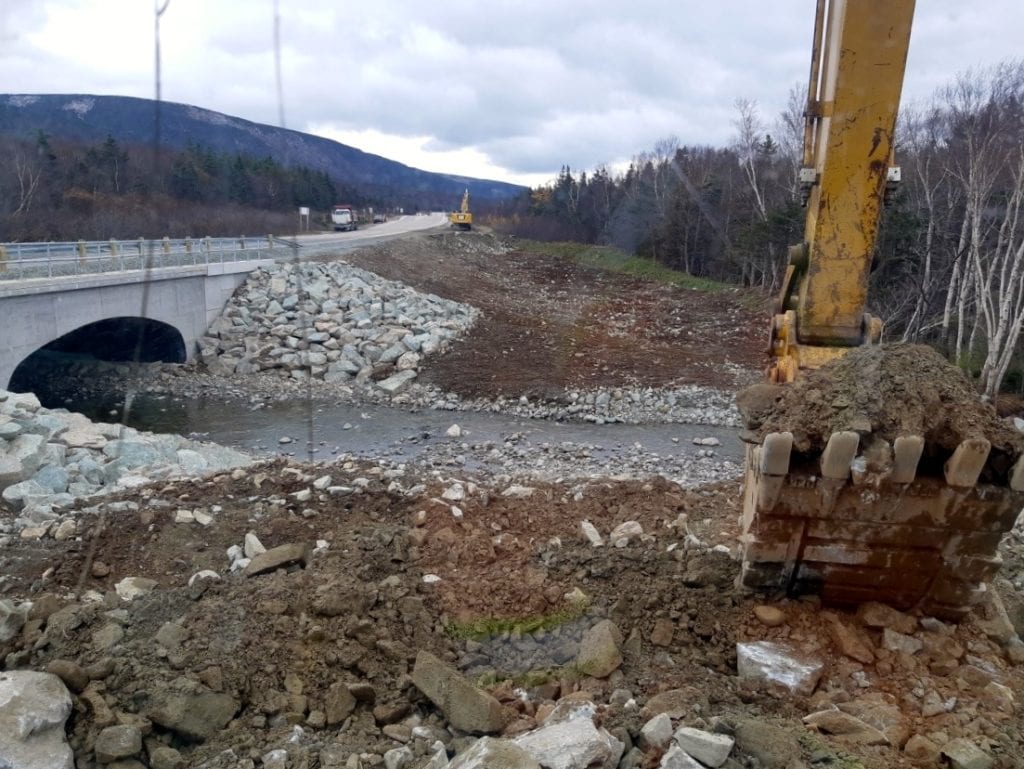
{"x": 885, "y": 392}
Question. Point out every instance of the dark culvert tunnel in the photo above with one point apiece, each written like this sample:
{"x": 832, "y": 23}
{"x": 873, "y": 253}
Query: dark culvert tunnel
{"x": 64, "y": 372}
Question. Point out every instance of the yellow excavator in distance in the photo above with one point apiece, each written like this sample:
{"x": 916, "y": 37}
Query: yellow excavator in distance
{"x": 926, "y": 535}
{"x": 462, "y": 219}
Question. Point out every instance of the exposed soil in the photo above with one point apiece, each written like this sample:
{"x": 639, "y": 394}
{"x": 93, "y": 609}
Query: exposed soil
{"x": 502, "y": 585}
{"x": 888, "y": 391}
{"x": 550, "y": 323}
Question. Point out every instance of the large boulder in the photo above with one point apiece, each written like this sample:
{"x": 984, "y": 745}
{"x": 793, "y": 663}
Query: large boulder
{"x": 33, "y": 709}
{"x": 466, "y": 707}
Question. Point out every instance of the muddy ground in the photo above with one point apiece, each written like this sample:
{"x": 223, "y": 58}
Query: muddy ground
{"x": 499, "y": 581}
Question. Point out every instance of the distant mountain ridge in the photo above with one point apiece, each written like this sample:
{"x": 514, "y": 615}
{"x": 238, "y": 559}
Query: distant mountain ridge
{"x": 131, "y": 121}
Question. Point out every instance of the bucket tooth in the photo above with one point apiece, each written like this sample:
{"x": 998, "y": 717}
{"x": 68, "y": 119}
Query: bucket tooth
{"x": 1017, "y": 474}
{"x": 774, "y": 454}
{"x": 963, "y": 468}
{"x": 907, "y": 451}
{"x": 838, "y": 454}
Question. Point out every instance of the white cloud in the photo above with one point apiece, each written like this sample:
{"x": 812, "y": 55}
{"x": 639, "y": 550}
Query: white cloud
{"x": 510, "y": 88}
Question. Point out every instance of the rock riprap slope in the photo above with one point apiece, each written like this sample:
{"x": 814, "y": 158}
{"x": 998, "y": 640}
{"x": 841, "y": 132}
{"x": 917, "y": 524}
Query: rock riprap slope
{"x": 333, "y": 322}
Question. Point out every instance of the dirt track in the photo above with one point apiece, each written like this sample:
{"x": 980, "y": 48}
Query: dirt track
{"x": 508, "y": 566}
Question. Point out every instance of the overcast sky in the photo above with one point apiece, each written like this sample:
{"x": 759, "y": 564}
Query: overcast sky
{"x": 503, "y": 89}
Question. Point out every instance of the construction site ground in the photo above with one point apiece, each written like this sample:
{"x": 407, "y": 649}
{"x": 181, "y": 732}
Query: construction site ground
{"x": 491, "y": 573}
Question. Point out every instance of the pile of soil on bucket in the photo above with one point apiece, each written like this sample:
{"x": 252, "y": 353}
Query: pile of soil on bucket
{"x": 887, "y": 391}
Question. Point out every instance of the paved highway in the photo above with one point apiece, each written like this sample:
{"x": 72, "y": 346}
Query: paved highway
{"x": 313, "y": 245}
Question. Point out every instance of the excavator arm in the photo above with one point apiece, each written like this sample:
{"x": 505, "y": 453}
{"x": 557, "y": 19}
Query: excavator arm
{"x": 857, "y": 65}
{"x": 913, "y": 520}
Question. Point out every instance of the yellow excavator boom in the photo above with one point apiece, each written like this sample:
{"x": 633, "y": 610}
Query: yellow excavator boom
{"x": 923, "y": 530}
{"x": 462, "y": 219}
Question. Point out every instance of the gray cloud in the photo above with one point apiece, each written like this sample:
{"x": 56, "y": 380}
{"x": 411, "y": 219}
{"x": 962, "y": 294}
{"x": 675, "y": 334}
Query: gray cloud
{"x": 530, "y": 84}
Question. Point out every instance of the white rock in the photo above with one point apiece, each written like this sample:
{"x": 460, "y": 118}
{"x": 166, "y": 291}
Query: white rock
{"x": 492, "y": 753}
{"x": 66, "y": 530}
{"x": 184, "y": 516}
{"x": 322, "y": 482}
{"x": 518, "y": 492}
{"x": 708, "y": 748}
{"x": 252, "y": 546}
{"x": 398, "y": 758}
{"x": 204, "y": 519}
{"x": 454, "y": 493}
{"x": 457, "y": 512}
{"x": 130, "y": 588}
{"x": 677, "y": 758}
{"x": 656, "y": 733}
{"x": 33, "y": 709}
{"x": 571, "y": 744}
{"x": 454, "y": 432}
{"x": 591, "y": 533}
{"x": 779, "y": 664}
{"x": 204, "y": 574}
{"x": 625, "y": 533}
{"x": 431, "y": 579}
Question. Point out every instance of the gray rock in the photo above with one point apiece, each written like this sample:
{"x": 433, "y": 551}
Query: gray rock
{"x": 29, "y": 450}
{"x": 466, "y": 707}
{"x": 20, "y": 495}
{"x": 779, "y": 664}
{"x": 12, "y": 618}
{"x": 166, "y": 758}
{"x": 847, "y": 726}
{"x": 677, "y": 758}
{"x": 964, "y": 754}
{"x": 283, "y": 556}
{"x": 194, "y": 717}
{"x": 491, "y": 753}
{"x": 708, "y": 748}
{"x": 339, "y": 703}
{"x": 54, "y": 479}
{"x": 572, "y": 743}
{"x": 11, "y": 470}
{"x": 600, "y": 650}
{"x": 116, "y": 742}
{"x": 395, "y": 383}
{"x": 656, "y": 734}
{"x": 33, "y": 709}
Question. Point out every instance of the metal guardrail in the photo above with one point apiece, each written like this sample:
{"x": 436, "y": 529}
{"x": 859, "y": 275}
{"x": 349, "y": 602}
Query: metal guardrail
{"x": 21, "y": 261}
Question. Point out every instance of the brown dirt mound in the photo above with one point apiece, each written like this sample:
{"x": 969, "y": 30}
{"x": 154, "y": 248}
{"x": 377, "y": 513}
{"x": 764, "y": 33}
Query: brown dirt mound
{"x": 888, "y": 391}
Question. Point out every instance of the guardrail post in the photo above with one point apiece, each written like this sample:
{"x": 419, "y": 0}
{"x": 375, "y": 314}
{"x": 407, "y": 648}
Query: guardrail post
{"x": 113, "y": 247}
{"x": 81, "y": 254}
{"x": 166, "y": 244}
{"x": 3, "y": 259}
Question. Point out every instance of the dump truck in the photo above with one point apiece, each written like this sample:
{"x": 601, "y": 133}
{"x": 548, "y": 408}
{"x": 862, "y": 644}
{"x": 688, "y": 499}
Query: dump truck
{"x": 872, "y": 511}
{"x": 343, "y": 217}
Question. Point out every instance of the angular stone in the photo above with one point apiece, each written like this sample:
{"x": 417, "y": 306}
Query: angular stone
{"x": 116, "y": 742}
{"x": 194, "y": 717}
{"x": 130, "y": 588}
{"x": 677, "y": 758}
{"x": 166, "y": 758}
{"x": 844, "y": 725}
{"x": 921, "y": 749}
{"x": 395, "y": 383}
{"x": 592, "y": 534}
{"x": 491, "y": 753}
{"x": 779, "y": 664}
{"x": 339, "y": 703}
{"x": 12, "y": 618}
{"x": 71, "y": 673}
{"x": 278, "y": 558}
{"x": 851, "y": 641}
{"x": 964, "y": 754}
{"x": 656, "y": 734}
{"x": 600, "y": 650}
{"x": 466, "y": 707}
{"x": 879, "y": 615}
{"x": 708, "y": 748}
{"x": 663, "y": 631}
{"x": 33, "y": 709}
{"x": 898, "y": 642}
{"x": 572, "y": 743}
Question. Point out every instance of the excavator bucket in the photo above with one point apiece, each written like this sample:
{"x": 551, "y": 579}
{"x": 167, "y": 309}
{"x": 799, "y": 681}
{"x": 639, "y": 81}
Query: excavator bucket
{"x": 908, "y": 522}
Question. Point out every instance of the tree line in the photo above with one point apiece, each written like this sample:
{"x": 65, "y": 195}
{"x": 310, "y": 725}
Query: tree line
{"x": 56, "y": 190}
{"x": 948, "y": 267}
